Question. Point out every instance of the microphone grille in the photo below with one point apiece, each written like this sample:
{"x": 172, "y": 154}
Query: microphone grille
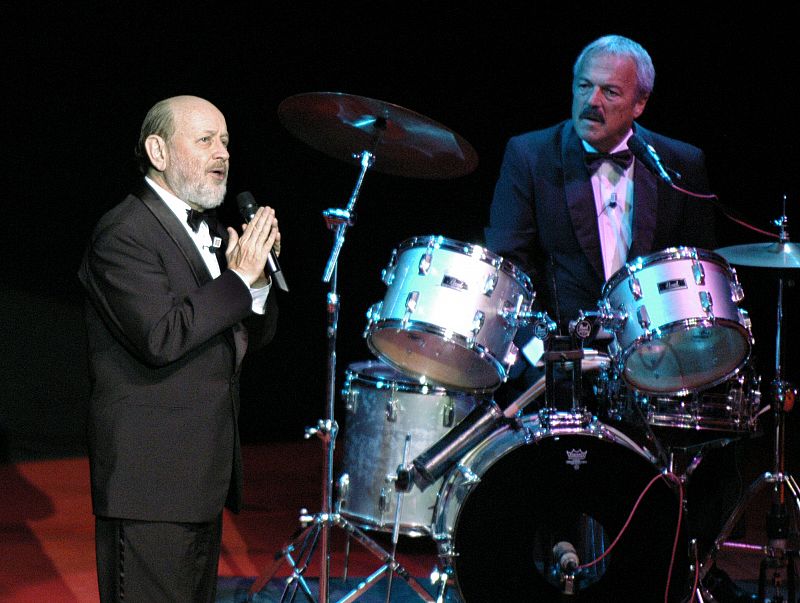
{"x": 244, "y": 199}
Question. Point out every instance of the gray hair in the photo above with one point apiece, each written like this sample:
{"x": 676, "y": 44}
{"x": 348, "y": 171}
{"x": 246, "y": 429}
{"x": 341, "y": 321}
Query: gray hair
{"x": 159, "y": 120}
{"x": 621, "y": 46}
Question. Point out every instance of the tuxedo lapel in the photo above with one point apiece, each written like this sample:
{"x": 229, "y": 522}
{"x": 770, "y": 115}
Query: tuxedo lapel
{"x": 237, "y": 336}
{"x": 580, "y": 198}
{"x": 177, "y": 233}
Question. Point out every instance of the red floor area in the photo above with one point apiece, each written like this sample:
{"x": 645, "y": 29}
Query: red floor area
{"x": 46, "y": 525}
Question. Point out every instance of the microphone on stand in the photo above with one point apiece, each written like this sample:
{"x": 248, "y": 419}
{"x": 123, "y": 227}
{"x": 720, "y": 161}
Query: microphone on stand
{"x": 247, "y": 208}
{"x": 647, "y": 155}
{"x": 566, "y": 561}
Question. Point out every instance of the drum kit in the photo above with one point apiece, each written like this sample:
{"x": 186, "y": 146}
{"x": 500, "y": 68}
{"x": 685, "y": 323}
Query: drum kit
{"x": 529, "y": 505}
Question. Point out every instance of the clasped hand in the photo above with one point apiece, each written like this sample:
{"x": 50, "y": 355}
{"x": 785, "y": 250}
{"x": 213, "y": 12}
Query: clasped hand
{"x": 247, "y": 254}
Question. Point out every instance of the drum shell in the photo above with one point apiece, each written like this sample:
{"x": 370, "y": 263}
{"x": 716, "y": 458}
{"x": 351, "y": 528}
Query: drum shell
{"x": 382, "y": 407}
{"x": 455, "y": 331}
{"x": 731, "y": 406}
{"x": 530, "y": 479}
{"x": 669, "y": 343}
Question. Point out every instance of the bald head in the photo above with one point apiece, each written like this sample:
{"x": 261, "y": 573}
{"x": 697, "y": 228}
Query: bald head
{"x": 160, "y": 120}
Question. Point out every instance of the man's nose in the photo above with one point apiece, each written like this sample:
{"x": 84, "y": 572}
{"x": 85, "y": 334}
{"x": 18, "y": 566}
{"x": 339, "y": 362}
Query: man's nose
{"x": 594, "y": 97}
{"x": 221, "y": 151}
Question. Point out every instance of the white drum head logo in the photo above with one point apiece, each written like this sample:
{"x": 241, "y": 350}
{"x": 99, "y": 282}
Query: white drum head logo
{"x": 576, "y": 458}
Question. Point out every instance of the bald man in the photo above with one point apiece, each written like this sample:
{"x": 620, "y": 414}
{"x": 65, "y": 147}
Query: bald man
{"x": 173, "y": 303}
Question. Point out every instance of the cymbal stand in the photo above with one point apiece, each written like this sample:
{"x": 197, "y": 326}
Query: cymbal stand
{"x": 317, "y": 528}
{"x": 778, "y": 553}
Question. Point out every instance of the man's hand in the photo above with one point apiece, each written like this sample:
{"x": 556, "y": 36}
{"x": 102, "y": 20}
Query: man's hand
{"x": 247, "y": 254}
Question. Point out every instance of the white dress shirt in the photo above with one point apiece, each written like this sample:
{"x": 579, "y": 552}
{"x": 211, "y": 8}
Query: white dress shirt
{"x": 206, "y": 246}
{"x": 613, "y": 199}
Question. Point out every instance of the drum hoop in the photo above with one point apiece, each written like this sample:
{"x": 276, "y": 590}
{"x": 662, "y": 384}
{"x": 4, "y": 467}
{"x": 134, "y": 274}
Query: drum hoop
{"x": 443, "y": 334}
{"x": 686, "y": 324}
{"x": 402, "y": 384}
{"x": 670, "y": 253}
{"x": 595, "y": 429}
{"x": 470, "y": 250}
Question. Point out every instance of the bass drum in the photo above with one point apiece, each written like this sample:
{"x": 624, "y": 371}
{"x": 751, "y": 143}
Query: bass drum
{"x": 501, "y": 512}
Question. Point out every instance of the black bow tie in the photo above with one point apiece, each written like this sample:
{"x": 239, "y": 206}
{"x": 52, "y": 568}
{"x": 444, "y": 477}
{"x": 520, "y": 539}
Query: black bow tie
{"x": 623, "y": 159}
{"x": 194, "y": 218}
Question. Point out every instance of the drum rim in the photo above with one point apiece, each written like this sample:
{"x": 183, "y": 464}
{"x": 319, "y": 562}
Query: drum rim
{"x": 522, "y": 435}
{"x": 487, "y": 256}
{"x": 749, "y": 381}
{"x": 685, "y": 325}
{"x": 445, "y": 335}
{"x": 444, "y": 531}
{"x": 408, "y": 385}
{"x": 670, "y": 253}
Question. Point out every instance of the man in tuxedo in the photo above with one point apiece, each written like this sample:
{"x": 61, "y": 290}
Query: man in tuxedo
{"x": 173, "y": 303}
{"x": 571, "y": 205}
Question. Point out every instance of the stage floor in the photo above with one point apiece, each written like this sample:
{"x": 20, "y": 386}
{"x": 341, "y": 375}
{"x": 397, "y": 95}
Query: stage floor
{"x": 47, "y": 528}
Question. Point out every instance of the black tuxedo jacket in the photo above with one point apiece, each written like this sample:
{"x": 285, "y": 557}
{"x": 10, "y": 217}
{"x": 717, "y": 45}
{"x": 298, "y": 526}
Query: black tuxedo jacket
{"x": 543, "y": 217}
{"x": 166, "y": 343}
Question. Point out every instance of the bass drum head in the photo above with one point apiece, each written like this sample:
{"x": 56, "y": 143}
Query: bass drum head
{"x": 579, "y": 488}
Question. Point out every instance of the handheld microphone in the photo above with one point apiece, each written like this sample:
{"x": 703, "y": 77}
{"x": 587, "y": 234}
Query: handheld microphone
{"x": 247, "y": 208}
{"x": 648, "y": 156}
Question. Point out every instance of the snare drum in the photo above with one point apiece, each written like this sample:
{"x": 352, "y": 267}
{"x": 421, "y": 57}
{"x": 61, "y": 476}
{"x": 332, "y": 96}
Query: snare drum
{"x": 677, "y": 323}
{"x": 731, "y": 406}
{"x": 449, "y": 314}
{"x": 524, "y": 489}
{"x": 382, "y": 407}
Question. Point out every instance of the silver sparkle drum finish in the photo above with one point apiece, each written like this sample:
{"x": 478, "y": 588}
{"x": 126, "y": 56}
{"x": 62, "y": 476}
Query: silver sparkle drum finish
{"x": 449, "y": 314}
{"x": 382, "y": 407}
{"x": 676, "y": 320}
{"x": 555, "y": 478}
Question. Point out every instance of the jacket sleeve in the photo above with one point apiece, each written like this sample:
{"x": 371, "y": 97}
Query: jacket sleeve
{"x": 151, "y": 300}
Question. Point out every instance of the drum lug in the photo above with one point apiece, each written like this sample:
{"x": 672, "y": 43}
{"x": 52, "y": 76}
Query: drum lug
{"x": 636, "y": 288}
{"x": 449, "y": 414}
{"x": 383, "y": 501}
{"x": 387, "y": 274}
{"x": 744, "y": 319}
{"x": 351, "y": 400}
{"x": 411, "y": 306}
{"x": 491, "y": 283}
{"x": 707, "y": 302}
{"x": 343, "y": 490}
{"x": 373, "y": 316}
{"x": 699, "y": 273}
{"x": 643, "y": 317}
{"x": 737, "y": 292}
{"x": 425, "y": 263}
{"x": 477, "y": 323}
{"x": 391, "y": 409}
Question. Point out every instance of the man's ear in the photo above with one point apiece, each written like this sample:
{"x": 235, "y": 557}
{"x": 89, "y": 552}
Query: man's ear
{"x": 156, "y": 149}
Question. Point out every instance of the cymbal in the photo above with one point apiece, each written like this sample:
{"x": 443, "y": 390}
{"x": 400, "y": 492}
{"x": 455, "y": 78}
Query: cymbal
{"x": 763, "y": 255}
{"x": 403, "y": 143}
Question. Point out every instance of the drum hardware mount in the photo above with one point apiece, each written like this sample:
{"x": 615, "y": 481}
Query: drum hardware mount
{"x": 443, "y": 455}
{"x": 318, "y": 527}
{"x": 780, "y": 554}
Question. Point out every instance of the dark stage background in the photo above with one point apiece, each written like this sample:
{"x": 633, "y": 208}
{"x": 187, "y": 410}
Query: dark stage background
{"x": 79, "y": 77}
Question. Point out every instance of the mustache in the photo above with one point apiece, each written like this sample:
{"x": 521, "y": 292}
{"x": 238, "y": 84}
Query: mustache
{"x": 592, "y": 113}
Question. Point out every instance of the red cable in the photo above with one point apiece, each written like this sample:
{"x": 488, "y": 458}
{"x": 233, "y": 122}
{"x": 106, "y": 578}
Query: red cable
{"x": 715, "y": 200}
{"x": 666, "y": 476}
